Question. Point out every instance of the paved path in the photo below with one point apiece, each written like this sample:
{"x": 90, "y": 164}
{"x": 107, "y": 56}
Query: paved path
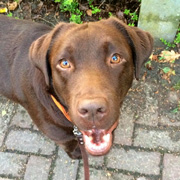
{"x": 147, "y": 142}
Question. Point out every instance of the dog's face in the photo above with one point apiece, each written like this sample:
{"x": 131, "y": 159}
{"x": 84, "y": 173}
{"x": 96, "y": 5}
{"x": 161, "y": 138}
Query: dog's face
{"x": 90, "y": 68}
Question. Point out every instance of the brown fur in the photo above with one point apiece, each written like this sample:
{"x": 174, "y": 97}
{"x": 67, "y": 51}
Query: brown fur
{"x": 29, "y": 72}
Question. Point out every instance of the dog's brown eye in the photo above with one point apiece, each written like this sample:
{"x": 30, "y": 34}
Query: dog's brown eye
{"x": 115, "y": 59}
{"x": 64, "y": 63}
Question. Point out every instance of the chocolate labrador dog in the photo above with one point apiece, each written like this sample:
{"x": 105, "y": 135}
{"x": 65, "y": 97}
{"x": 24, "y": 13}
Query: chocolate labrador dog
{"x": 87, "y": 68}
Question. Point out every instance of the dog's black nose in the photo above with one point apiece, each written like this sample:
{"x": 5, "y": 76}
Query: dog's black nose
{"x": 92, "y": 109}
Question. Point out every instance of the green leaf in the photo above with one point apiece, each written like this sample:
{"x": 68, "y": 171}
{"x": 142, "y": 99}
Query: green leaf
{"x": 161, "y": 58}
{"x": 9, "y": 15}
{"x": 131, "y": 24}
{"x": 76, "y": 18}
{"x": 110, "y": 14}
{"x": 148, "y": 63}
{"x": 126, "y": 11}
{"x": 175, "y": 110}
{"x": 90, "y": 1}
{"x": 166, "y": 69}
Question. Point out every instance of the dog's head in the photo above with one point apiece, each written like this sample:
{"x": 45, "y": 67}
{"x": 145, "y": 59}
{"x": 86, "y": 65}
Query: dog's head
{"x": 90, "y": 68}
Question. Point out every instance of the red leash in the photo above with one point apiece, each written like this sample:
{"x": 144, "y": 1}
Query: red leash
{"x": 79, "y": 136}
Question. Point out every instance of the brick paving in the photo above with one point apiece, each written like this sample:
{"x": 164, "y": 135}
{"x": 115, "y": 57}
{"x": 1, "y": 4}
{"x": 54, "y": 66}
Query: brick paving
{"x": 146, "y": 144}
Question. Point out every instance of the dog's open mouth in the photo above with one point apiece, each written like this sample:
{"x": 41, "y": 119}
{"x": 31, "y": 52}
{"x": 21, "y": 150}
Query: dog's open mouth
{"x": 98, "y": 141}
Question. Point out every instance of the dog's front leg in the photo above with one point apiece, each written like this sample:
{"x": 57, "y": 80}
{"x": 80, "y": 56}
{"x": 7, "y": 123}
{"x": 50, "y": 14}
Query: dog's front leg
{"x": 71, "y": 148}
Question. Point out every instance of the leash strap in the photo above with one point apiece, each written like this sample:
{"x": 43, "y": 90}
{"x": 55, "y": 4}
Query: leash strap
{"x": 79, "y": 137}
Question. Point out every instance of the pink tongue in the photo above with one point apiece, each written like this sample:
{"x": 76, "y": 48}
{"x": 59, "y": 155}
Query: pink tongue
{"x": 97, "y": 137}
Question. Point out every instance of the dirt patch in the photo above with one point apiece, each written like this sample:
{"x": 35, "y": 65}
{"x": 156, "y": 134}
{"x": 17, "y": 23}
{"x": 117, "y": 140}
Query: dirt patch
{"x": 49, "y": 12}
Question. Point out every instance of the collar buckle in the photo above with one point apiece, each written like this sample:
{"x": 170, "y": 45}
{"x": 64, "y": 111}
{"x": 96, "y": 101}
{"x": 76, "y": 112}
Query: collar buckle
{"x": 79, "y": 135}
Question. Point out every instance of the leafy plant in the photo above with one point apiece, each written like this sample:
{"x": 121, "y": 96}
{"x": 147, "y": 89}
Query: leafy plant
{"x": 72, "y": 7}
{"x": 10, "y": 14}
{"x": 168, "y": 44}
{"x": 90, "y": 2}
{"x": 76, "y": 18}
{"x": 94, "y": 9}
{"x": 133, "y": 16}
{"x": 173, "y": 44}
{"x": 177, "y": 39}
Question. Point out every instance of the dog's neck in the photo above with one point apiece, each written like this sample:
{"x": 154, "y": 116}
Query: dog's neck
{"x": 61, "y": 108}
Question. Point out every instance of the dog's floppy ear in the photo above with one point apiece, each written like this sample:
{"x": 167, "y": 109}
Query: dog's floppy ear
{"x": 38, "y": 54}
{"x": 39, "y": 49}
{"x": 141, "y": 43}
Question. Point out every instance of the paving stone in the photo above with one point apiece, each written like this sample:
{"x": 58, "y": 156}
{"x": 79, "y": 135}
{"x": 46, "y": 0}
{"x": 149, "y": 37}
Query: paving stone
{"x": 136, "y": 161}
{"x": 167, "y": 103}
{"x": 168, "y": 121}
{"x": 157, "y": 139}
{"x": 171, "y": 167}
{"x": 124, "y": 131}
{"x": 25, "y": 140}
{"x": 104, "y": 175}
{"x": 65, "y": 168}
{"x": 148, "y": 111}
{"x": 94, "y": 160}
{"x": 21, "y": 118}
{"x": 12, "y": 164}
{"x": 37, "y": 168}
{"x": 142, "y": 178}
{"x": 173, "y": 96}
{"x": 6, "y": 111}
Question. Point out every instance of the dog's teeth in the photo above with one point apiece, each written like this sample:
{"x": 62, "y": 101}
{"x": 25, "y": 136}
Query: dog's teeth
{"x": 106, "y": 137}
{"x": 100, "y": 147}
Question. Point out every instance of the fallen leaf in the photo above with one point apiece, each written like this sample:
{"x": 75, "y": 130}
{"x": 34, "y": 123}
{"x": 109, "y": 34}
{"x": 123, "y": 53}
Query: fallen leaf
{"x": 166, "y": 70}
{"x": 148, "y": 65}
{"x": 3, "y": 10}
{"x": 169, "y": 56}
{"x": 144, "y": 76}
{"x": 12, "y": 6}
{"x": 167, "y": 73}
{"x": 89, "y": 12}
{"x": 40, "y": 5}
{"x": 155, "y": 57}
